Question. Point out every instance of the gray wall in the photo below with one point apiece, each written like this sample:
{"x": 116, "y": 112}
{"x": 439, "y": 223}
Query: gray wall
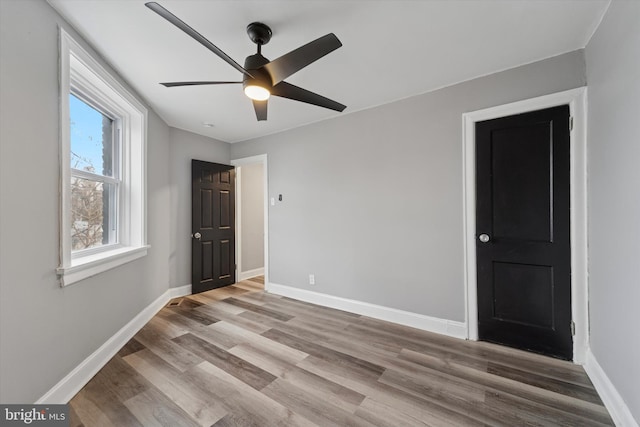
{"x": 373, "y": 200}
{"x": 46, "y": 331}
{"x": 184, "y": 147}
{"x": 613, "y": 70}
{"x": 252, "y": 216}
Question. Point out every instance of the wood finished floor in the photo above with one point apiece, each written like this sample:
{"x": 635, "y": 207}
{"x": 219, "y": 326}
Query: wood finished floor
{"x": 238, "y": 356}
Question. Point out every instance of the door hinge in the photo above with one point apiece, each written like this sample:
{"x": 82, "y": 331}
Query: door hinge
{"x": 571, "y": 123}
{"x": 573, "y": 328}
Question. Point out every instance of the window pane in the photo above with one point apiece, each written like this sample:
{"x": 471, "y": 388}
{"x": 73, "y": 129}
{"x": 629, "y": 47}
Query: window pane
{"x": 91, "y": 138}
{"x": 93, "y": 219}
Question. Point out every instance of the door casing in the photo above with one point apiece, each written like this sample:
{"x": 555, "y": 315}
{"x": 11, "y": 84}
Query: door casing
{"x": 576, "y": 98}
{"x": 261, "y": 158}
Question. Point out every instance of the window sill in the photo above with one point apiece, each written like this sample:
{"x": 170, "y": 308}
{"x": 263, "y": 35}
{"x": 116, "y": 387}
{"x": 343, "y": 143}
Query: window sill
{"x": 91, "y": 265}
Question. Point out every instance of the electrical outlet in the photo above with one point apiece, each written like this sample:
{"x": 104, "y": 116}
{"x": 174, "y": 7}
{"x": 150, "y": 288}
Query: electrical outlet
{"x": 312, "y": 279}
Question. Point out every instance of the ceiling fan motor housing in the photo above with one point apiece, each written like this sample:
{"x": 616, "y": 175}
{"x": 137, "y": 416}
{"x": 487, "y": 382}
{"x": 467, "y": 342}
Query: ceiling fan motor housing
{"x": 261, "y": 76}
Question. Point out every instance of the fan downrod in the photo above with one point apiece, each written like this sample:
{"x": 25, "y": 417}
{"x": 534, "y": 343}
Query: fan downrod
{"x": 259, "y": 33}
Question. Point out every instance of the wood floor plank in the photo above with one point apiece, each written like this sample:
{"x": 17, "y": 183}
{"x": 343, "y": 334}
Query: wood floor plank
{"x": 263, "y": 297}
{"x": 452, "y": 395}
{"x": 86, "y": 412}
{"x": 309, "y": 406}
{"x": 170, "y": 329}
{"x": 427, "y": 342}
{"x": 381, "y": 414}
{"x": 241, "y": 399}
{"x": 172, "y": 353}
{"x": 239, "y": 368}
{"x": 153, "y": 408}
{"x": 240, "y": 356}
{"x": 195, "y": 315}
{"x": 258, "y": 280}
{"x": 264, "y": 322}
{"x": 536, "y": 414}
{"x": 324, "y": 353}
{"x": 432, "y": 413}
{"x": 578, "y": 391}
{"x": 205, "y": 332}
{"x": 245, "y": 319}
{"x": 115, "y": 383}
{"x": 259, "y": 309}
{"x": 543, "y": 397}
{"x": 204, "y": 410}
{"x": 271, "y": 363}
{"x": 250, "y": 285}
{"x": 322, "y": 389}
{"x": 258, "y": 341}
{"x": 132, "y": 346}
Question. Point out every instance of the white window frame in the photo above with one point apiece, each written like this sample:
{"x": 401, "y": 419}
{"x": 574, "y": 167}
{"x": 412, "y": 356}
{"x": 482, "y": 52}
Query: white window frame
{"x": 83, "y": 76}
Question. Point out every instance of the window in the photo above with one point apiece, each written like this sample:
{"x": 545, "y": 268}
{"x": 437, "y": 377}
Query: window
{"x": 103, "y": 131}
{"x": 95, "y": 177}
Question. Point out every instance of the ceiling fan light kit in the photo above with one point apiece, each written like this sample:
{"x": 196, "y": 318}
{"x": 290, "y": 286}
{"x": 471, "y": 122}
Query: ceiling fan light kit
{"x": 261, "y": 77}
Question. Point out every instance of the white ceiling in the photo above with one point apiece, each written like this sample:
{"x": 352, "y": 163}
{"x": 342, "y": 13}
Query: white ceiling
{"x": 391, "y": 50}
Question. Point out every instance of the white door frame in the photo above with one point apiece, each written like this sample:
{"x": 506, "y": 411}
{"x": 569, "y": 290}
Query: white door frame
{"x": 238, "y": 163}
{"x": 577, "y": 100}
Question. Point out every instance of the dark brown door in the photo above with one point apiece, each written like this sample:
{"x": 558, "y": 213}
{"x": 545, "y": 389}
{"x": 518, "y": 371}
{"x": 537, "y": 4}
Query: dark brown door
{"x": 523, "y": 231}
{"x": 213, "y": 226}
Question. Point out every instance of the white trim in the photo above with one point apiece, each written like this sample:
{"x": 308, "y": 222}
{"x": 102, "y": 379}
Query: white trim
{"x": 262, "y": 158}
{"x": 244, "y": 275}
{"x": 95, "y": 264}
{"x": 238, "y": 223}
{"x": 73, "y": 382}
{"x": 576, "y": 98}
{"x": 79, "y": 71}
{"x": 179, "y": 291}
{"x": 618, "y": 409}
{"x": 420, "y": 321}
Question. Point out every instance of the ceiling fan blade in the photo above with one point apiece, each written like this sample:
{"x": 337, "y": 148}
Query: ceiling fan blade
{"x": 261, "y": 109}
{"x": 297, "y": 59}
{"x": 195, "y": 35}
{"x": 287, "y": 90}
{"x": 174, "y": 84}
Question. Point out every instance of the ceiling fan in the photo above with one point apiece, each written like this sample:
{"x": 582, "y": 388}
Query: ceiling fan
{"x": 261, "y": 77}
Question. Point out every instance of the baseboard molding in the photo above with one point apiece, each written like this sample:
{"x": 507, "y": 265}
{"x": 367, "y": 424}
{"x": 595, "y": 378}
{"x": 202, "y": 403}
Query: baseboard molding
{"x": 432, "y": 324}
{"x": 244, "y": 275}
{"x": 71, "y": 384}
{"x": 612, "y": 400}
{"x": 179, "y": 291}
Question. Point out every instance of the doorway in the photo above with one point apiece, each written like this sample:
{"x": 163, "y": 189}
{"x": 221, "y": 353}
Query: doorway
{"x": 252, "y": 217}
{"x": 576, "y": 100}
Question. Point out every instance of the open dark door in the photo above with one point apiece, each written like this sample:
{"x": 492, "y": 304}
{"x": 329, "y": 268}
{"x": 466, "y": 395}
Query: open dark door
{"x": 523, "y": 231}
{"x": 213, "y": 226}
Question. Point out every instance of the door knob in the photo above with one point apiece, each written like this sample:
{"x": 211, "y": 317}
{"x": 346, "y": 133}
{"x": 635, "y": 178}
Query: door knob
{"x": 484, "y": 238}
{"x": 197, "y": 236}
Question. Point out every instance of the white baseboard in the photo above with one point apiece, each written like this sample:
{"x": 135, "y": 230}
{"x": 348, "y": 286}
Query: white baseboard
{"x": 179, "y": 291}
{"x": 432, "y": 324}
{"x": 612, "y": 400}
{"x": 71, "y": 384}
{"x": 244, "y": 275}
